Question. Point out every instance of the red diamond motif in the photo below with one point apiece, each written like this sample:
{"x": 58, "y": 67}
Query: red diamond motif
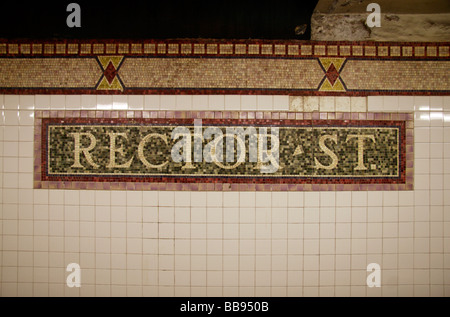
{"x": 332, "y": 74}
{"x": 110, "y": 72}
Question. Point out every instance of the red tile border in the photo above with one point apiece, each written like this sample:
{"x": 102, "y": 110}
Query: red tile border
{"x": 43, "y": 118}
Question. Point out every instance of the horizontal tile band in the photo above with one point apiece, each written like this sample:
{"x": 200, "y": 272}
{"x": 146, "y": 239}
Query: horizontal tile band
{"x": 197, "y": 47}
{"x": 119, "y": 74}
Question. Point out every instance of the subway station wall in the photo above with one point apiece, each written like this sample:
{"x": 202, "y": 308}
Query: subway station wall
{"x": 225, "y": 243}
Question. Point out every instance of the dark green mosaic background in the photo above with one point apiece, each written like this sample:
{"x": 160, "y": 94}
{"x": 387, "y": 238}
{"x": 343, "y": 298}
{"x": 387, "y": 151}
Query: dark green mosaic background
{"x": 381, "y": 158}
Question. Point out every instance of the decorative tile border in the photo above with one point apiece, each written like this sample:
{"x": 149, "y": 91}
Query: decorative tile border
{"x": 50, "y": 171}
{"x": 224, "y": 67}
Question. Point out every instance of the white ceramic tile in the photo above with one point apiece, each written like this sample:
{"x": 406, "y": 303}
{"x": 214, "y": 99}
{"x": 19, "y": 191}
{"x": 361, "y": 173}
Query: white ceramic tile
{"x": 136, "y": 102}
{"x": 248, "y": 102}
{"x": 405, "y": 103}
{"x": 26, "y": 118}
{"x": 199, "y": 102}
{"x": 422, "y": 134}
{"x": 57, "y": 102}
{"x": 73, "y": 102}
{"x": 311, "y": 104}
{"x": 11, "y": 117}
{"x": 215, "y": 102}
{"x": 422, "y": 119}
{"x": 166, "y": 198}
{"x": 343, "y": 104}
{"x": 214, "y": 199}
{"x": 422, "y": 151}
{"x": 399, "y": 226}
{"x": 390, "y": 103}
{"x": 152, "y": 102}
{"x": 343, "y": 198}
{"x": 327, "y": 104}
{"x": 247, "y": 199}
{"x": 198, "y": 199}
{"x": 312, "y": 199}
{"x": 262, "y": 199}
{"x": 104, "y": 102}
{"x": 375, "y": 103}
{"x": 422, "y": 103}
{"x": 102, "y": 198}
{"x": 280, "y": 103}
{"x": 232, "y": 102}
{"x": 264, "y": 103}
{"x": 183, "y": 102}
{"x": 279, "y": 199}
{"x": 42, "y": 102}
{"x": 10, "y": 149}
{"x": 88, "y": 102}
{"x": 168, "y": 102}
{"x": 120, "y": 102}
{"x": 26, "y": 133}
{"x": 446, "y": 102}
{"x": 26, "y": 102}
{"x": 436, "y": 103}
{"x": 11, "y": 102}
{"x": 295, "y": 199}
{"x": 359, "y": 198}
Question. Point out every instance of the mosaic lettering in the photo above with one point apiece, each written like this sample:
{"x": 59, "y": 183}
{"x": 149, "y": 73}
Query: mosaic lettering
{"x": 224, "y": 151}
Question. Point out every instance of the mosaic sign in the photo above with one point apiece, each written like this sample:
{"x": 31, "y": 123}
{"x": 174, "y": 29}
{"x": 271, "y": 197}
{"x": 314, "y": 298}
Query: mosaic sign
{"x": 224, "y": 67}
{"x": 248, "y": 148}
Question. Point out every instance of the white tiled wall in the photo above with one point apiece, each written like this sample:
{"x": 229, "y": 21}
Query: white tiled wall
{"x": 225, "y": 243}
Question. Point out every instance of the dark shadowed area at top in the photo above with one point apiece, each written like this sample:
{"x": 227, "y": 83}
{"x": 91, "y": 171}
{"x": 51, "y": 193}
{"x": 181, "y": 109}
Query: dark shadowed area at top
{"x": 163, "y": 19}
